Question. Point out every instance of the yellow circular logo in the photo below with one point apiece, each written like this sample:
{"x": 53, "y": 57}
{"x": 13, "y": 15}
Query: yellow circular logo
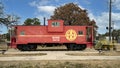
{"x": 71, "y": 35}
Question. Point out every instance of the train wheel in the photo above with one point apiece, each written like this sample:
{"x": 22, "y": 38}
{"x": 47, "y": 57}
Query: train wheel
{"x": 27, "y": 47}
{"x": 32, "y": 47}
{"x": 19, "y": 47}
{"x": 23, "y": 47}
{"x": 71, "y": 47}
{"x": 76, "y": 47}
{"x": 82, "y": 47}
{"x": 68, "y": 47}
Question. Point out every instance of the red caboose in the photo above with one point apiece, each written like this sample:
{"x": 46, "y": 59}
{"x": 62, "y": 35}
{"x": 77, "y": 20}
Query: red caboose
{"x": 73, "y": 37}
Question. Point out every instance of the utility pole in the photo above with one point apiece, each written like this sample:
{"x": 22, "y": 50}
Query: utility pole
{"x": 110, "y": 9}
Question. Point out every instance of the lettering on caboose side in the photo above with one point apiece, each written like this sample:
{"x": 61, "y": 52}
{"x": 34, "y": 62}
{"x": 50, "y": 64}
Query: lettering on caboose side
{"x": 56, "y": 38}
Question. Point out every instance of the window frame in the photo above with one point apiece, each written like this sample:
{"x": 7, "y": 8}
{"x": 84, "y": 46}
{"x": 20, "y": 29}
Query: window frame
{"x": 80, "y": 32}
{"x": 55, "y": 24}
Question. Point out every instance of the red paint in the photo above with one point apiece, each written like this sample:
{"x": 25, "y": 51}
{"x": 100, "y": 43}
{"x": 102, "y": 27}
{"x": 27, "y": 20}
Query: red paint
{"x": 51, "y": 34}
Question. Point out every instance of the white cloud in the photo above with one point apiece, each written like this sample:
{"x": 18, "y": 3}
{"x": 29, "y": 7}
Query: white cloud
{"x": 91, "y": 16}
{"x": 116, "y": 16}
{"x": 81, "y": 7}
{"x": 117, "y": 4}
{"x": 46, "y": 9}
{"x": 38, "y": 3}
{"x": 42, "y": 6}
{"x": 102, "y": 21}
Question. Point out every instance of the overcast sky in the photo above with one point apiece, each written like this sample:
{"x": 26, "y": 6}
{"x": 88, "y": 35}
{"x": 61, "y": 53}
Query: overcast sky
{"x": 97, "y": 10}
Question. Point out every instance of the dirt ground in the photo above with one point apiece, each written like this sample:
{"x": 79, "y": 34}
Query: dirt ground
{"x": 61, "y": 64}
{"x": 105, "y": 53}
{"x": 3, "y": 46}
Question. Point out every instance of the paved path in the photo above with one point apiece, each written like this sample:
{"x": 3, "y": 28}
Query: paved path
{"x": 57, "y": 56}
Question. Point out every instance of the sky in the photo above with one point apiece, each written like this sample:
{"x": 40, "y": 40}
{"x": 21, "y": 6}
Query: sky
{"x": 97, "y": 10}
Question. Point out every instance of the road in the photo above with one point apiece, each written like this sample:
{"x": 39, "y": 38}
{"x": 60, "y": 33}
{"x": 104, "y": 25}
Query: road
{"x": 56, "y": 55}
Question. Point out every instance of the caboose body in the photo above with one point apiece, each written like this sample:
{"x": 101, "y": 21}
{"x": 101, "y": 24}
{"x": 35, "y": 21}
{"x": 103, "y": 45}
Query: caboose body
{"x": 55, "y": 33}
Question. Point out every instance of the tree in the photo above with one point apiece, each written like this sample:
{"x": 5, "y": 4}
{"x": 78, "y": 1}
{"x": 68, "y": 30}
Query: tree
{"x": 72, "y": 14}
{"x": 7, "y": 19}
{"x": 30, "y": 21}
{"x": 116, "y": 34}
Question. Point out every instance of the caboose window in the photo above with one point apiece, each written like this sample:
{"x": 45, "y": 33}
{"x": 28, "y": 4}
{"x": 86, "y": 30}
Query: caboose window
{"x": 55, "y": 24}
{"x": 22, "y": 33}
{"x": 80, "y": 32}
